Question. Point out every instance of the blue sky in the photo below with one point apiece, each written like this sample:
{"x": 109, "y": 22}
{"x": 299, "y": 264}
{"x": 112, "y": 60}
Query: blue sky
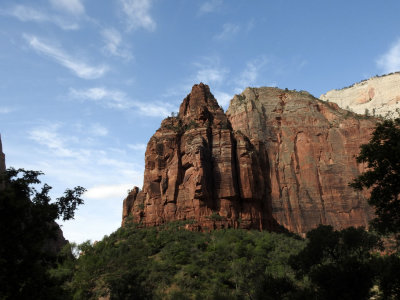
{"x": 85, "y": 83}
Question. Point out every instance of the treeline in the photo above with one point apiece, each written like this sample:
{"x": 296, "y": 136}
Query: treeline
{"x": 170, "y": 262}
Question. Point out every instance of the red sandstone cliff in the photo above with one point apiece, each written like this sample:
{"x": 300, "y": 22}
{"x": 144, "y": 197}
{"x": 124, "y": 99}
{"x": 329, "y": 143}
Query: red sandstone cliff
{"x": 311, "y": 147}
{"x": 276, "y": 157}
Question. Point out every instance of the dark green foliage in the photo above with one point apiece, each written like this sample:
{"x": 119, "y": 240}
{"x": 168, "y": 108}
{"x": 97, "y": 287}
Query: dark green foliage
{"x": 26, "y": 225}
{"x": 389, "y": 277}
{"x": 339, "y": 264}
{"x": 174, "y": 263}
{"x": 382, "y": 155}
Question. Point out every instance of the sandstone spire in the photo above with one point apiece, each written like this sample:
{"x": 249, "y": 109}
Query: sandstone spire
{"x": 275, "y": 158}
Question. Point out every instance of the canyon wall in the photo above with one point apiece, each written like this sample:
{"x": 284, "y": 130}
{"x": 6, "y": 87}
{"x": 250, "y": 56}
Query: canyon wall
{"x": 275, "y": 159}
{"x": 379, "y": 95}
{"x": 311, "y": 147}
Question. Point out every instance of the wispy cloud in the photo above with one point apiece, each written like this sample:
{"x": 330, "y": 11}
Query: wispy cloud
{"x": 48, "y": 136}
{"x": 108, "y": 191}
{"x": 98, "y": 130}
{"x": 223, "y": 98}
{"x": 250, "y": 73}
{"x": 119, "y": 100}
{"x": 390, "y": 61}
{"x": 109, "y": 98}
{"x": 113, "y": 44}
{"x": 137, "y": 14}
{"x": 6, "y": 110}
{"x": 29, "y": 14}
{"x": 62, "y": 153}
{"x": 210, "y": 6}
{"x": 210, "y": 71}
{"x": 81, "y": 69}
{"x": 137, "y": 147}
{"x": 228, "y": 30}
{"x": 74, "y": 7}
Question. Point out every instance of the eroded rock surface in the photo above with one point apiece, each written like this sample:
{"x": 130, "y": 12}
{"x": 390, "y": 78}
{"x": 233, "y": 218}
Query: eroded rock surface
{"x": 311, "y": 146}
{"x": 275, "y": 158}
{"x": 379, "y": 95}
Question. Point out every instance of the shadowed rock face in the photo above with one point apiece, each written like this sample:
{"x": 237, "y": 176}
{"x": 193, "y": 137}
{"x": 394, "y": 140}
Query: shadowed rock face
{"x": 198, "y": 168}
{"x": 275, "y": 158}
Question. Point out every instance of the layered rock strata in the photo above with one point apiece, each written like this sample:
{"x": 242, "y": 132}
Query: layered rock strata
{"x": 379, "y": 95}
{"x": 276, "y": 158}
{"x": 311, "y": 146}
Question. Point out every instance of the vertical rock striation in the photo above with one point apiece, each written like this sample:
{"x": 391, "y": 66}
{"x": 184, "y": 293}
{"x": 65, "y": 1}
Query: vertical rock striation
{"x": 276, "y": 158}
{"x": 197, "y": 168}
{"x": 311, "y": 146}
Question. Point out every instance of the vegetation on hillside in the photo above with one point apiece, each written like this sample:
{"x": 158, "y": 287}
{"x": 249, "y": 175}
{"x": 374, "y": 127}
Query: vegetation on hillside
{"x": 170, "y": 262}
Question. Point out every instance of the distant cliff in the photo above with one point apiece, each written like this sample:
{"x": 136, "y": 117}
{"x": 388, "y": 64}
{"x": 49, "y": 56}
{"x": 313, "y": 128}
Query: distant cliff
{"x": 378, "y": 95}
{"x": 276, "y": 158}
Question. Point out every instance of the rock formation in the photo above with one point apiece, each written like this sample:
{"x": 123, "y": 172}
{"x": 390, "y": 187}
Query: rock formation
{"x": 379, "y": 95}
{"x": 311, "y": 147}
{"x": 276, "y": 158}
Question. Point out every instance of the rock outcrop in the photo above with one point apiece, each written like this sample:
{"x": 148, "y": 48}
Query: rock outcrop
{"x": 197, "y": 168}
{"x": 379, "y": 95}
{"x": 311, "y": 147}
{"x": 276, "y": 158}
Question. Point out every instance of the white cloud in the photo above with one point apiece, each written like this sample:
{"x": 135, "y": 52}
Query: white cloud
{"x": 223, "y": 98}
{"x": 98, "y": 130}
{"x": 49, "y": 137}
{"x": 74, "y": 7}
{"x": 210, "y": 71}
{"x": 137, "y": 147}
{"x": 210, "y": 6}
{"x": 390, "y": 61}
{"x": 119, "y": 100}
{"x": 29, "y": 14}
{"x": 108, "y": 191}
{"x": 6, "y": 110}
{"x": 228, "y": 30}
{"x": 250, "y": 74}
{"x": 81, "y": 69}
{"x": 113, "y": 44}
{"x": 107, "y": 173}
{"x": 109, "y": 98}
{"x": 137, "y": 13}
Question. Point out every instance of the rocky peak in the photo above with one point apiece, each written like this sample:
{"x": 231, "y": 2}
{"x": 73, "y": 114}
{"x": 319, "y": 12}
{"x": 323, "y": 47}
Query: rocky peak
{"x": 201, "y": 106}
{"x": 277, "y": 158}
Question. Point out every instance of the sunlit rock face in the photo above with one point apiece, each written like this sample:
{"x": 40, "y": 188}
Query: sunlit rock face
{"x": 379, "y": 95}
{"x": 275, "y": 159}
{"x": 311, "y": 147}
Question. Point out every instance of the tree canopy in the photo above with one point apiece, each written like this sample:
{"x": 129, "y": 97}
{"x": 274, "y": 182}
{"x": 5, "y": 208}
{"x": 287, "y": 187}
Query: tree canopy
{"x": 382, "y": 156}
{"x": 27, "y": 226}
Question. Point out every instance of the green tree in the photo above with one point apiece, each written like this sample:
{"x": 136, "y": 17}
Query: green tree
{"x": 382, "y": 156}
{"x": 27, "y": 225}
{"x": 339, "y": 264}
